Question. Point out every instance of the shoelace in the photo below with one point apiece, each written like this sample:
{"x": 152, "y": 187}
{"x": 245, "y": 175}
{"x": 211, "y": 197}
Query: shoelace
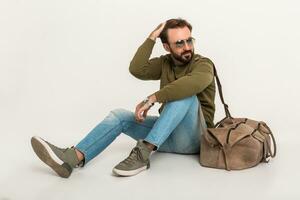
{"x": 135, "y": 154}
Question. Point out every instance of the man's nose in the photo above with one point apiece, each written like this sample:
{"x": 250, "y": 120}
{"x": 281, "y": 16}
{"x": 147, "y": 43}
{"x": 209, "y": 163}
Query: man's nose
{"x": 186, "y": 46}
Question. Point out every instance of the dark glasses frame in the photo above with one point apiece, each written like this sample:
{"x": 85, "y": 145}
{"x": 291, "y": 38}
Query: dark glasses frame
{"x": 180, "y": 43}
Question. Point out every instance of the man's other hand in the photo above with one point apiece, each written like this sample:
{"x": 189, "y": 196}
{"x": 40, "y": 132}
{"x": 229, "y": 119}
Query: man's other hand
{"x": 141, "y": 112}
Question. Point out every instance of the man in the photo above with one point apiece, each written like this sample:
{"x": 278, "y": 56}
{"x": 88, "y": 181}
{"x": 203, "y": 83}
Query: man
{"x": 187, "y": 92}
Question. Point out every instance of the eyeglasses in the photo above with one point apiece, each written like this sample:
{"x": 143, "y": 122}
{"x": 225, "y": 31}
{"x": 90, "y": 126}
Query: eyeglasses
{"x": 180, "y": 43}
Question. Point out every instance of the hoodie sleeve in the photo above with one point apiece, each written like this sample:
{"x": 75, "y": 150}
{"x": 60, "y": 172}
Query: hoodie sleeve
{"x": 192, "y": 83}
{"x": 144, "y": 68}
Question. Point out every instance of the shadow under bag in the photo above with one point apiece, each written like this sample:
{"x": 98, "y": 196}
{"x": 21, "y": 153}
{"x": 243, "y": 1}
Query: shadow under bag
{"x": 236, "y": 143}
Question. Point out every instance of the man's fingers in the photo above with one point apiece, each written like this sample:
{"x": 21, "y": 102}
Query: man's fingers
{"x": 145, "y": 113}
{"x": 137, "y": 110}
{"x": 163, "y": 25}
{"x": 159, "y": 26}
{"x": 141, "y": 113}
{"x": 137, "y": 115}
{"x": 157, "y": 30}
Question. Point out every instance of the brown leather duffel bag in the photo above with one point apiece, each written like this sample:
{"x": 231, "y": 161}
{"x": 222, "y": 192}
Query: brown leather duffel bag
{"x": 236, "y": 143}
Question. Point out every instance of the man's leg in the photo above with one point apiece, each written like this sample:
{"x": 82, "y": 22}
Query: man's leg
{"x": 185, "y": 138}
{"x": 116, "y": 122}
{"x": 177, "y": 115}
{"x": 62, "y": 161}
{"x": 121, "y": 120}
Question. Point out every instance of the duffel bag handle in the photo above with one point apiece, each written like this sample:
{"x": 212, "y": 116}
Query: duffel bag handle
{"x": 272, "y": 154}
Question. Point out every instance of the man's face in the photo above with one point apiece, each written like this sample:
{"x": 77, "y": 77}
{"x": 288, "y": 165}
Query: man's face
{"x": 180, "y": 43}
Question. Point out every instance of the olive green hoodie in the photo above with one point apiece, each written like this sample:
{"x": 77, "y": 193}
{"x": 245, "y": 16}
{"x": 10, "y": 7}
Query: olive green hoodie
{"x": 179, "y": 81}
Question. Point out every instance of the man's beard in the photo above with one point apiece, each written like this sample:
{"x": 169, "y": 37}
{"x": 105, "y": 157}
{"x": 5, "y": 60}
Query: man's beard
{"x": 185, "y": 56}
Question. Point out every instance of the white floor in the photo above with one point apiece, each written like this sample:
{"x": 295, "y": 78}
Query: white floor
{"x": 171, "y": 176}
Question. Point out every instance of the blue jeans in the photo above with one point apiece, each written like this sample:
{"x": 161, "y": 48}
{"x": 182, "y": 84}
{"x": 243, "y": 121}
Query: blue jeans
{"x": 176, "y": 130}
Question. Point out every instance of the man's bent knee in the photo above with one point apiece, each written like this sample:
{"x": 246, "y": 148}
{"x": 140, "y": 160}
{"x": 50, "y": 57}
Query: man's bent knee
{"x": 121, "y": 114}
{"x": 188, "y": 100}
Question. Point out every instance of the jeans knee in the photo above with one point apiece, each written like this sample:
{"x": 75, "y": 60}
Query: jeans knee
{"x": 121, "y": 114}
{"x": 184, "y": 101}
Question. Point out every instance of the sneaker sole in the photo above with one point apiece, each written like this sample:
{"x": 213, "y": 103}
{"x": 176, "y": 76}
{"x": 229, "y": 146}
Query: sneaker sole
{"x": 128, "y": 173}
{"x": 44, "y": 152}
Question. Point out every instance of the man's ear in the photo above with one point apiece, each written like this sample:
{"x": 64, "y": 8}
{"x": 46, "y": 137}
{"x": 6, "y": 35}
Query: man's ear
{"x": 166, "y": 47}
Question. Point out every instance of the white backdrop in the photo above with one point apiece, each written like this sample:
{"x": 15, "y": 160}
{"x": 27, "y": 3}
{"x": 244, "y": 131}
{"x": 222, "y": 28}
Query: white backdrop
{"x": 64, "y": 64}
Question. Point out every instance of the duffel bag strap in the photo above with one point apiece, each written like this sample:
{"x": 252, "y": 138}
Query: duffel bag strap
{"x": 227, "y": 113}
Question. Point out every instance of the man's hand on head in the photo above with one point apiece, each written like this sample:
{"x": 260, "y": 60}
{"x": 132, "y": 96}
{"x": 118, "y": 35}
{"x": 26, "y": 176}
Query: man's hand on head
{"x": 154, "y": 34}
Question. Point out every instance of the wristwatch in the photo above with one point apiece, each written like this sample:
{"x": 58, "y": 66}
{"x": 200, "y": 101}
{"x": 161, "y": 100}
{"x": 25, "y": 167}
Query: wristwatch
{"x": 146, "y": 101}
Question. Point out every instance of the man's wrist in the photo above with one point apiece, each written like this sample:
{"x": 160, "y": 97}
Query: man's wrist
{"x": 150, "y": 100}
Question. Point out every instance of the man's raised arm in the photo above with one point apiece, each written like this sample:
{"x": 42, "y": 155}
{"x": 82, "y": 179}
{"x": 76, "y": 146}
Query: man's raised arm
{"x": 141, "y": 66}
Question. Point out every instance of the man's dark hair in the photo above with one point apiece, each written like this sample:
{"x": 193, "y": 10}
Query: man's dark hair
{"x": 173, "y": 23}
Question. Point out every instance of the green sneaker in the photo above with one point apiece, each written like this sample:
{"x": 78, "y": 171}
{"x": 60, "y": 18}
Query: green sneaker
{"x": 62, "y": 161}
{"x": 137, "y": 161}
